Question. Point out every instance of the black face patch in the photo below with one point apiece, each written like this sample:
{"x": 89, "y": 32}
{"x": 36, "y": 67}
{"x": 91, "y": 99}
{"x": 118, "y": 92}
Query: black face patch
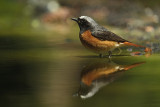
{"x": 83, "y": 21}
{"x": 83, "y": 24}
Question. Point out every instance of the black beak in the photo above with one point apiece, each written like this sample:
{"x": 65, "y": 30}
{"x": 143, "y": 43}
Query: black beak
{"x": 74, "y": 19}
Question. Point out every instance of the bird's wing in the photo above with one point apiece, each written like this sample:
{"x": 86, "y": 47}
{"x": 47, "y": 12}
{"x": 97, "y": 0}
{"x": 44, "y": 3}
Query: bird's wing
{"x": 104, "y": 34}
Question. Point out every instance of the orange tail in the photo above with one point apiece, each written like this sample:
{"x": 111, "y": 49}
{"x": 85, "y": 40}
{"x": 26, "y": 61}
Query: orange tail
{"x": 132, "y": 44}
{"x": 147, "y": 50}
{"x": 133, "y": 65}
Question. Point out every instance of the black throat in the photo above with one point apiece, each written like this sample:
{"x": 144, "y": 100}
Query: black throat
{"x": 84, "y": 28}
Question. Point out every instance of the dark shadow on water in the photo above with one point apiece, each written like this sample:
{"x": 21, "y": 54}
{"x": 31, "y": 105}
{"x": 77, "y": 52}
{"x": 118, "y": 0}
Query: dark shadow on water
{"x": 98, "y": 74}
{"x": 15, "y": 87}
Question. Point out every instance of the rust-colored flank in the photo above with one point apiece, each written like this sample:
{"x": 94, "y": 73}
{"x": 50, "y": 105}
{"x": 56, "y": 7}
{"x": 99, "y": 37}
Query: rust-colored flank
{"x": 95, "y": 44}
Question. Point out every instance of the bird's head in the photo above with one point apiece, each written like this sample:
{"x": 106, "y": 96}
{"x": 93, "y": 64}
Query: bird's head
{"x": 85, "y": 23}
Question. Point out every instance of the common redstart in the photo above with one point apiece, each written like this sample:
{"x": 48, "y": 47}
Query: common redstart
{"x": 99, "y": 39}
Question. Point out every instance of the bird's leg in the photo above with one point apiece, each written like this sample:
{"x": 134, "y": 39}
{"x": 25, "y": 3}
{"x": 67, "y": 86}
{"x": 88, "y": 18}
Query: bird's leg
{"x": 101, "y": 55}
{"x": 109, "y": 54}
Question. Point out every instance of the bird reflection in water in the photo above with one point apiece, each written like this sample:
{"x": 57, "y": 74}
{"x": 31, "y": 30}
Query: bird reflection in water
{"x": 98, "y": 74}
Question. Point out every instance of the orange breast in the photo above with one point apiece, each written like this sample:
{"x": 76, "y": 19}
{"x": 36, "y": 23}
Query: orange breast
{"x": 95, "y": 44}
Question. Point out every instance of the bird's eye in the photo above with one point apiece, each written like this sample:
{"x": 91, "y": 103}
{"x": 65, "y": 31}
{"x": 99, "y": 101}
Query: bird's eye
{"x": 83, "y": 21}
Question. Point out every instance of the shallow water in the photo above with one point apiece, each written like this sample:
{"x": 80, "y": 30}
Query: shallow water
{"x": 75, "y": 78}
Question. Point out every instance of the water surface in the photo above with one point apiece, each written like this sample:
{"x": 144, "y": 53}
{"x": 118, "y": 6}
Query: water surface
{"x": 75, "y": 78}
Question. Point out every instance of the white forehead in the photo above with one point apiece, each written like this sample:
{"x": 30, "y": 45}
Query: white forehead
{"x": 85, "y": 17}
{"x": 89, "y": 19}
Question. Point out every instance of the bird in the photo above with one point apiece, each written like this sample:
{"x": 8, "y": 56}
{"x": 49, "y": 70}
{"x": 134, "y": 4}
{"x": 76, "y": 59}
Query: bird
{"x": 98, "y": 38}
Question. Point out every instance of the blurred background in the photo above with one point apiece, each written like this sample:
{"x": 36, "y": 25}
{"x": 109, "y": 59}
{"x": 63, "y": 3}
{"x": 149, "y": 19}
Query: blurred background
{"x": 41, "y": 57}
{"x": 46, "y": 23}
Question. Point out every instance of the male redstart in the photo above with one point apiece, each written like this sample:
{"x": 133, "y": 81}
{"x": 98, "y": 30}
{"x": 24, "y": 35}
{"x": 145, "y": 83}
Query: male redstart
{"x": 99, "y": 39}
